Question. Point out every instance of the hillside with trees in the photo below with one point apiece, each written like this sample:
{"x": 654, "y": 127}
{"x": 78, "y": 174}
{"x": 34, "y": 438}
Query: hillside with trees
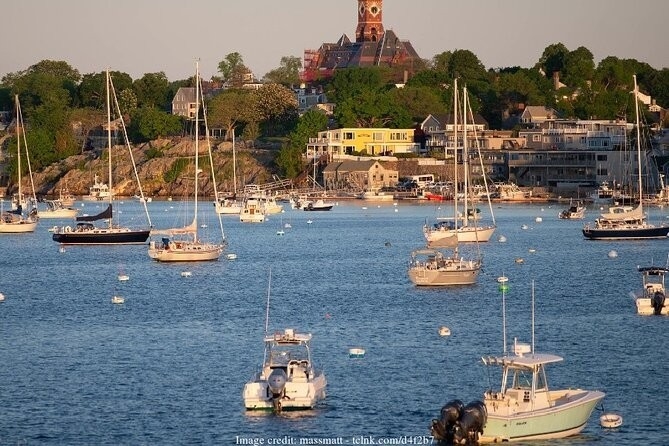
{"x": 62, "y": 107}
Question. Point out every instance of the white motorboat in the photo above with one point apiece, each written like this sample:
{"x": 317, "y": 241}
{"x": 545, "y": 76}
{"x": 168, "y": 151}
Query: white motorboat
{"x": 98, "y": 191}
{"x": 318, "y": 205}
{"x": 523, "y": 408}
{"x": 651, "y": 300}
{"x": 288, "y": 379}
{"x": 575, "y": 211}
{"x": 430, "y": 267}
{"x": 252, "y": 211}
{"x": 56, "y": 209}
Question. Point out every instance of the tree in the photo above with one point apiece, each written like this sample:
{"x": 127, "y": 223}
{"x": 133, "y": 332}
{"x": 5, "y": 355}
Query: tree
{"x": 288, "y": 73}
{"x": 418, "y": 102}
{"x": 152, "y": 90}
{"x": 233, "y": 70}
{"x": 149, "y": 123}
{"x": 553, "y": 59}
{"x": 372, "y": 110}
{"x": 277, "y": 108}
{"x": 579, "y": 67}
{"x": 230, "y": 109}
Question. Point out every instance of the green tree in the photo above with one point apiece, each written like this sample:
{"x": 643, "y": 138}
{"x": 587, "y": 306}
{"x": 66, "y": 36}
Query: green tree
{"x": 288, "y": 73}
{"x": 277, "y": 108}
{"x": 150, "y": 123}
{"x": 579, "y": 68}
{"x": 230, "y": 109}
{"x": 232, "y": 69}
{"x": 553, "y": 59}
{"x": 152, "y": 90}
{"x": 289, "y": 159}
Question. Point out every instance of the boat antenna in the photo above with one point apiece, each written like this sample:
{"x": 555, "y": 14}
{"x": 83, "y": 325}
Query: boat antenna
{"x": 269, "y": 285}
{"x": 503, "y": 286}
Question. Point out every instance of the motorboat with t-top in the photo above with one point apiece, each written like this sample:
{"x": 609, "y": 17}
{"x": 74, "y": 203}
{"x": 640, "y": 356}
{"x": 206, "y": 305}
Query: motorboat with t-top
{"x": 651, "y": 300}
{"x": 522, "y": 408}
{"x": 288, "y": 379}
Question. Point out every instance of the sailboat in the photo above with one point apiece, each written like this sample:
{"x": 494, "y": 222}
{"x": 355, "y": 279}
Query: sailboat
{"x": 14, "y": 221}
{"x": 431, "y": 267}
{"x": 183, "y": 244}
{"x": 230, "y": 205}
{"x": 627, "y": 222}
{"x": 85, "y": 232}
{"x": 445, "y": 227}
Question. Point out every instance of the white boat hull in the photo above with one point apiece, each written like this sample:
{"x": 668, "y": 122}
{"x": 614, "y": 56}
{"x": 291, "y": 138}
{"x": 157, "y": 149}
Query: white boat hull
{"x": 644, "y": 307}
{"x": 466, "y": 234}
{"x": 298, "y": 395}
{"x": 18, "y": 227}
{"x": 185, "y": 252}
{"x": 59, "y": 213}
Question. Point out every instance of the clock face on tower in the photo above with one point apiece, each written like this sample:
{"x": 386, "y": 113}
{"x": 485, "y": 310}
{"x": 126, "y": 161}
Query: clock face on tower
{"x": 374, "y": 9}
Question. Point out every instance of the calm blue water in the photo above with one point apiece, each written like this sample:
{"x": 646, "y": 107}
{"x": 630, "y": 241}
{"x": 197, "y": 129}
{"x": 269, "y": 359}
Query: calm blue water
{"x": 168, "y": 366}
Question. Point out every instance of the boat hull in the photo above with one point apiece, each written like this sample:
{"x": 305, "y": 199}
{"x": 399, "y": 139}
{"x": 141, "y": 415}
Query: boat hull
{"x": 103, "y": 237}
{"x": 18, "y": 227}
{"x": 59, "y": 213}
{"x": 559, "y": 421}
{"x": 426, "y": 277}
{"x": 631, "y": 233}
{"x": 466, "y": 234}
{"x": 298, "y": 395}
{"x": 198, "y": 252}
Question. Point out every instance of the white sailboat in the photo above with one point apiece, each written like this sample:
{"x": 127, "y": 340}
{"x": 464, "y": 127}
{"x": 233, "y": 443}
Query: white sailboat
{"x": 86, "y": 232}
{"x": 183, "y": 244}
{"x": 15, "y": 221}
{"x": 466, "y": 231}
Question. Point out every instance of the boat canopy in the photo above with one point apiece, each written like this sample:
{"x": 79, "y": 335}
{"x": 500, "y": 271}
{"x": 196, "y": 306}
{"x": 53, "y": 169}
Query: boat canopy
{"x": 624, "y": 213}
{"x": 653, "y": 270}
{"x": 530, "y": 361}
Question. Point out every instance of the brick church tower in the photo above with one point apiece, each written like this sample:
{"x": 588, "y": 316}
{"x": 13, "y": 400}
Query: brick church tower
{"x": 370, "y": 21}
{"x": 373, "y": 46}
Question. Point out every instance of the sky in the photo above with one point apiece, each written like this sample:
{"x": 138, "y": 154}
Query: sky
{"x": 150, "y": 36}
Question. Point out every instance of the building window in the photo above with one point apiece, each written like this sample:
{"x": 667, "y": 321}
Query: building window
{"x": 349, "y": 135}
{"x": 536, "y": 138}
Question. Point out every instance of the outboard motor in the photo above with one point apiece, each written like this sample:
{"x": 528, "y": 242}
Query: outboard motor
{"x": 444, "y": 427}
{"x": 473, "y": 419}
{"x": 657, "y": 302}
{"x": 276, "y": 383}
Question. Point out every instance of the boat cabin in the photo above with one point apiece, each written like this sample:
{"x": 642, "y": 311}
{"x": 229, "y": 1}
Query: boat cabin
{"x": 289, "y": 351}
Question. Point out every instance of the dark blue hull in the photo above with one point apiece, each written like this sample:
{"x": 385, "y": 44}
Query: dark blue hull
{"x": 645, "y": 232}
{"x": 131, "y": 237}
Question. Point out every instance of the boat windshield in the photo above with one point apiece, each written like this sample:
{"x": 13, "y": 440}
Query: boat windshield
{"x": 522, "y": 379}
{"x": 281, "y": 355}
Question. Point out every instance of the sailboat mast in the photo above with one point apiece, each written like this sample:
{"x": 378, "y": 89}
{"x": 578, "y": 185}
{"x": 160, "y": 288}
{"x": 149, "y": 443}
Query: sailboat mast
{"x": 18, "y": 146}
{"x": 638, "y": 139}
{"x": 109, "y": 144}
{"x": 197, "y": 139}
{"x": 455, "y": 154}
{"x": 234, "y": 166}
{"x": 465, "y": 157}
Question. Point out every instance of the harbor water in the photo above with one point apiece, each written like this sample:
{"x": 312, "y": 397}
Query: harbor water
{"x": 167, "y": 366}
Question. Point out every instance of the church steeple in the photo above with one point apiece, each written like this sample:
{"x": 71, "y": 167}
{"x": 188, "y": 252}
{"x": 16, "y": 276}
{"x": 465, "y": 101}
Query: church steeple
{"x": 370, "y": 21}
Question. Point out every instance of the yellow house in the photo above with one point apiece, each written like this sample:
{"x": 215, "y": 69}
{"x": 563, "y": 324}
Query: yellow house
{"x": 362, "y": 141}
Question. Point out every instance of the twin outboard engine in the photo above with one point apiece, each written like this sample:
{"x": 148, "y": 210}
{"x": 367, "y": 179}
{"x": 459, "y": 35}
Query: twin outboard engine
{"x": 658, "y": 302}
{"x": 460, "y": 424}
{"x": 276, "y": 384}
{"x": 443, "y": 429}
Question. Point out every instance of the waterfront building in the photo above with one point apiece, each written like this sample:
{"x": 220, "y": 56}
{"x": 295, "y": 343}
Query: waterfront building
{"x": 338, "y": 143}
